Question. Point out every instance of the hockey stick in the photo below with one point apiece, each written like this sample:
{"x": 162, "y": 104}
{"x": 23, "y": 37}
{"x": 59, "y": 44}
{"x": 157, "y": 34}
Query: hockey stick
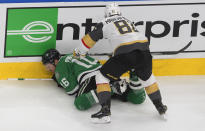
{"x": 172, "y": 52}
{"x": 100, "y": 54}
{"x": 154, "y": 53}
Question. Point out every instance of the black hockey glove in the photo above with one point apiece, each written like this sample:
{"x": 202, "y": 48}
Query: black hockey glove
{"x": 119, "y": 87}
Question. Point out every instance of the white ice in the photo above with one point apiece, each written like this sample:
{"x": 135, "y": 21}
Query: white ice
{"x": 36, "y": 105}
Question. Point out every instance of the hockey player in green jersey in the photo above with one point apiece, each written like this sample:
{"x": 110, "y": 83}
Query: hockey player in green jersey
{"x": 77, "y": 77}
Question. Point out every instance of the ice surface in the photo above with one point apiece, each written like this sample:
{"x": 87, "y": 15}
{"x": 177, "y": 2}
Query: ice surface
{"x": 37, "y": 105}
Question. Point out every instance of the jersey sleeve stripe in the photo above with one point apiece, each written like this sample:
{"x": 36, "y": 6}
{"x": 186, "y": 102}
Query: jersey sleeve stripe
{"x": 85, "y": 44}
{"x": 88, "y": 41}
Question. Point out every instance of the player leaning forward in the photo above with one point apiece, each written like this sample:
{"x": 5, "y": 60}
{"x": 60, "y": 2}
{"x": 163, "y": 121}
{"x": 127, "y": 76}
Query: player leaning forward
{"x": 131, "y": 54}
{"x": 77, "y": 77}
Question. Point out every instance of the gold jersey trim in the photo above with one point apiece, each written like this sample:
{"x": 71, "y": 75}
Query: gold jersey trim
{"x": 130, "y": 43}
{"x": 88, "y": 41}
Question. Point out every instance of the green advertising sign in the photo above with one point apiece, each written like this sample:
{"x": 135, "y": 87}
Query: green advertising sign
{"x": 30, "y": 31}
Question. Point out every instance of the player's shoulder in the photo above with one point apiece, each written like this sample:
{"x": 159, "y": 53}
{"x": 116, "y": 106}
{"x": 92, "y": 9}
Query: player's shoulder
{"x": 64, "y": 63}
{"x": 65, "y": 59}
{"x": 69, "y": 55}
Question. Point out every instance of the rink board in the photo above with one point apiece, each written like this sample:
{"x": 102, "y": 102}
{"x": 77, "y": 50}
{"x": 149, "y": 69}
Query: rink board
{"x": 161, "y": 67}
{"x": 24, "y": 38}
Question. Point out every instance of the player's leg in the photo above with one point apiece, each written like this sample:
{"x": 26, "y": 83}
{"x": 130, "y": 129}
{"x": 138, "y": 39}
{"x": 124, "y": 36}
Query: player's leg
{"x": 147, "y": 79}
{"x": 86, "y": 100}
{"x": 153, "y": 91}
{"x": 104, "y": 96}
{"x": 136, "y": 96}
{"x": 123, "y": 63}
{"x": 86, "y": 96}
{"x": 110, "y": 71}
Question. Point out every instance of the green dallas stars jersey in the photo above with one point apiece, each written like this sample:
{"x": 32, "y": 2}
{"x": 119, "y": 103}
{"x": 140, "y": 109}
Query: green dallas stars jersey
{"x": 71, "y": 71}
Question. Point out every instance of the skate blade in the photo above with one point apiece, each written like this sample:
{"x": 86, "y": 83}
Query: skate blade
{"x": 164, "y": 117}
{"x": 103, "y": 120}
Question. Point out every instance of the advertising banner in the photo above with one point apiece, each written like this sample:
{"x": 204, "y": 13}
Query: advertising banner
{"x": 34, "y": 1}
{"x": 30, "y": 31}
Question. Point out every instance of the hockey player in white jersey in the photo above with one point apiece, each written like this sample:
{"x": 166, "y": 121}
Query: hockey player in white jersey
{"x": 131, "y": 53}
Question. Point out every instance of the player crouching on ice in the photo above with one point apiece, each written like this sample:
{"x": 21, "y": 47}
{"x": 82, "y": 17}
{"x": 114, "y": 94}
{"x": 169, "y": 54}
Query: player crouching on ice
{"x": 77, "y": 77}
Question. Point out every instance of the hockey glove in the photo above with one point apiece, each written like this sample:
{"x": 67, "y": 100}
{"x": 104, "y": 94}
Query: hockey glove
{"x": 78, "y": 54}
{"x": 119, "y": 87}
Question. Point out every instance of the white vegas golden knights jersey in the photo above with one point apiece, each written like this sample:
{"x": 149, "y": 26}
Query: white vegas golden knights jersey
{"x": 120, "y": 32}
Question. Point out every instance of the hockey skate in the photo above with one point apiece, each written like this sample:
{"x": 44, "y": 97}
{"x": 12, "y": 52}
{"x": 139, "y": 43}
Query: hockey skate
{"x": 162, "y": 110}
{"x": 101, "y": 117}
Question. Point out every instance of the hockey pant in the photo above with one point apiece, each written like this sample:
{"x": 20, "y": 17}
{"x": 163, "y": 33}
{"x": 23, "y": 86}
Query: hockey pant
{"x": 87, "y": 96}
